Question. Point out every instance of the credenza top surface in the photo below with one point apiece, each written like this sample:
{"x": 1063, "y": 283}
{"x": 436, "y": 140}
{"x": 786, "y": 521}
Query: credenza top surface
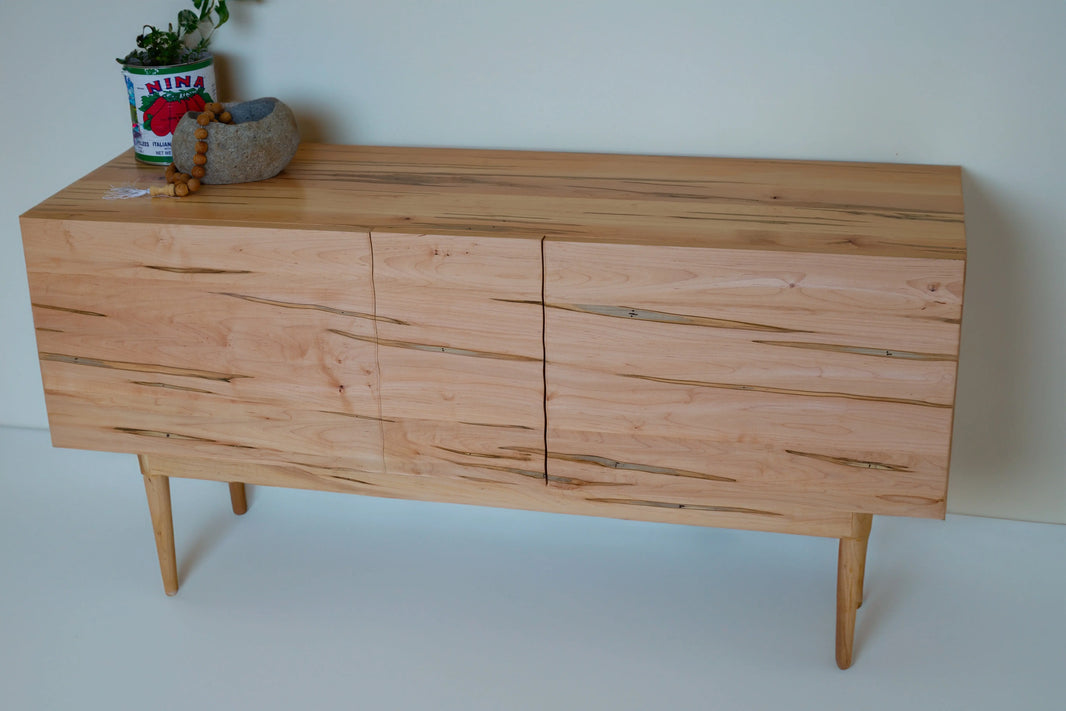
{"x": 874, "y": 209}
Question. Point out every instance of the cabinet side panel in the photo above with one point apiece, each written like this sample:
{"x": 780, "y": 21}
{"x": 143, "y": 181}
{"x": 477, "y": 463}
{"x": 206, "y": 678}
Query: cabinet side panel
{"x": 460, "y": 352}
{"x": 223, "y": 341}
{"x": 754, "y": 381}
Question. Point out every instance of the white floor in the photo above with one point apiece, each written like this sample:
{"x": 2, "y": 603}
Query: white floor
{"x": 322, "y": 601}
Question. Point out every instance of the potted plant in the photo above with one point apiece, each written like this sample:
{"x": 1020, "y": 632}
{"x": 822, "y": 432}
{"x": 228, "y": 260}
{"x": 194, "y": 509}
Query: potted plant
{"x": 169, "y": 73}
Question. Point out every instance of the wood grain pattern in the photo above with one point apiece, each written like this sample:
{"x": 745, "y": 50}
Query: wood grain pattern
{"x": 826, "y": 303}
{"x": 460, "y": 355}
{"x": 758, "y": 342}
{"x": 169, "y": 339}
{"x": 738, "y": 378}
{"x": 525, "y": 493}
{"x": 796, "y": 206}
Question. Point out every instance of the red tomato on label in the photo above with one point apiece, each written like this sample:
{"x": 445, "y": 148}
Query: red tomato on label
{"x": 158, "y": 104}
{"x": 161, "y": 121}
{"x": 165, "y": 120}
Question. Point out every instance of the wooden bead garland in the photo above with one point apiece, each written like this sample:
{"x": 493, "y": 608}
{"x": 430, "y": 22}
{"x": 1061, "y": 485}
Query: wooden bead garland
{"x": 182, "y": 184}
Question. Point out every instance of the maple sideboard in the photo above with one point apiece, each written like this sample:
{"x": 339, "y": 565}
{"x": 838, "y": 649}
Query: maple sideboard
{"x": 753, "y": 344}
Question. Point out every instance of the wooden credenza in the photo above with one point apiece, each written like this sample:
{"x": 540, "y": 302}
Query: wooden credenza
{"x": 766, "y": 345}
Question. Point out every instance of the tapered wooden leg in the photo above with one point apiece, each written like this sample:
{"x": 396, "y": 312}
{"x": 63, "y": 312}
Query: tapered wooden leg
{"x": 158, "y": 490}
{"x": 865, "y": 523}
{"x": 238, "y": 497}
{"x": 851, "y": 571}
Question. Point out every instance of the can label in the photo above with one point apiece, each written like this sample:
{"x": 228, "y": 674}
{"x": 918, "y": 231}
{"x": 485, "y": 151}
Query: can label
{"x": 159, "y": 97}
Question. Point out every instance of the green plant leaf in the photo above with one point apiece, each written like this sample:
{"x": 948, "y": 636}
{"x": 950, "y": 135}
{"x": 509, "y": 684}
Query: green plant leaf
{"x": 157, "y": 47}
{"x": 223, "y": 13}
{"x": 187, "y": 21}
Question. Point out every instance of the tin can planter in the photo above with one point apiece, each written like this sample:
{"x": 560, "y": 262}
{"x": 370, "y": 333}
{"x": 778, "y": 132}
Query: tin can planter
{"x": 159, "y": 97}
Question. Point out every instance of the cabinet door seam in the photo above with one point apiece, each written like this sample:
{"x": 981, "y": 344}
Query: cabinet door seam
{"x": 377, "y": 351}
{"x": 544, "y": 352}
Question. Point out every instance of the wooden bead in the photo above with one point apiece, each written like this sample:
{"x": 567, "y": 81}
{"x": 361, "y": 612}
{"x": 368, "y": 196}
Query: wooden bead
{"x": 171, "y": 170}
{"x": 193, "y": 184}
{"x": 181, "y": 189}
{"x": 198, "y": 171}
{"x": 181, "y": 178}
{"x": 215, "y": 107}
{"x": 201, "y": 146}
{"x": 199, "y": 159}
{"x": 201, "y": 133}
{"x": 225, "y": 117}
{"x": 205, "y": 118}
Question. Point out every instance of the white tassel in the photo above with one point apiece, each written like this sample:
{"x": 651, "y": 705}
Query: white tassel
{"x": 125, "y": 193}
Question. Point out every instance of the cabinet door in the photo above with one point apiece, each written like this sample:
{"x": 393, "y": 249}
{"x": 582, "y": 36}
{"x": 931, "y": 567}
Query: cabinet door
{"x": 460, "y": 351}
{"x": 754, "y": 384}
{"x": 212, "y": 341}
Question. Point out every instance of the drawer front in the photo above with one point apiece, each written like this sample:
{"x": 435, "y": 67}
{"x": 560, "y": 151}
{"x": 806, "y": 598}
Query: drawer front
{"x": 461, "y": 356}
{"x": 750, "y": 382}
{"x": 215, "y": 341}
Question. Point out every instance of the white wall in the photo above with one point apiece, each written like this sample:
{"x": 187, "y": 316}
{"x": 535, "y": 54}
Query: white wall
{"x": 978, "y": 84}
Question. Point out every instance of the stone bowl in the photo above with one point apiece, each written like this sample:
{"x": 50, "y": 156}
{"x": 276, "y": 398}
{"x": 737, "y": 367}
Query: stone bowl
{"x": 256, "y": 145}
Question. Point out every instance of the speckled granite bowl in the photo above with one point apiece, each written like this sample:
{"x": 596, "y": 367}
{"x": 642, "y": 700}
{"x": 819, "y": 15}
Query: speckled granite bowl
{"x": 257, "y": 145}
